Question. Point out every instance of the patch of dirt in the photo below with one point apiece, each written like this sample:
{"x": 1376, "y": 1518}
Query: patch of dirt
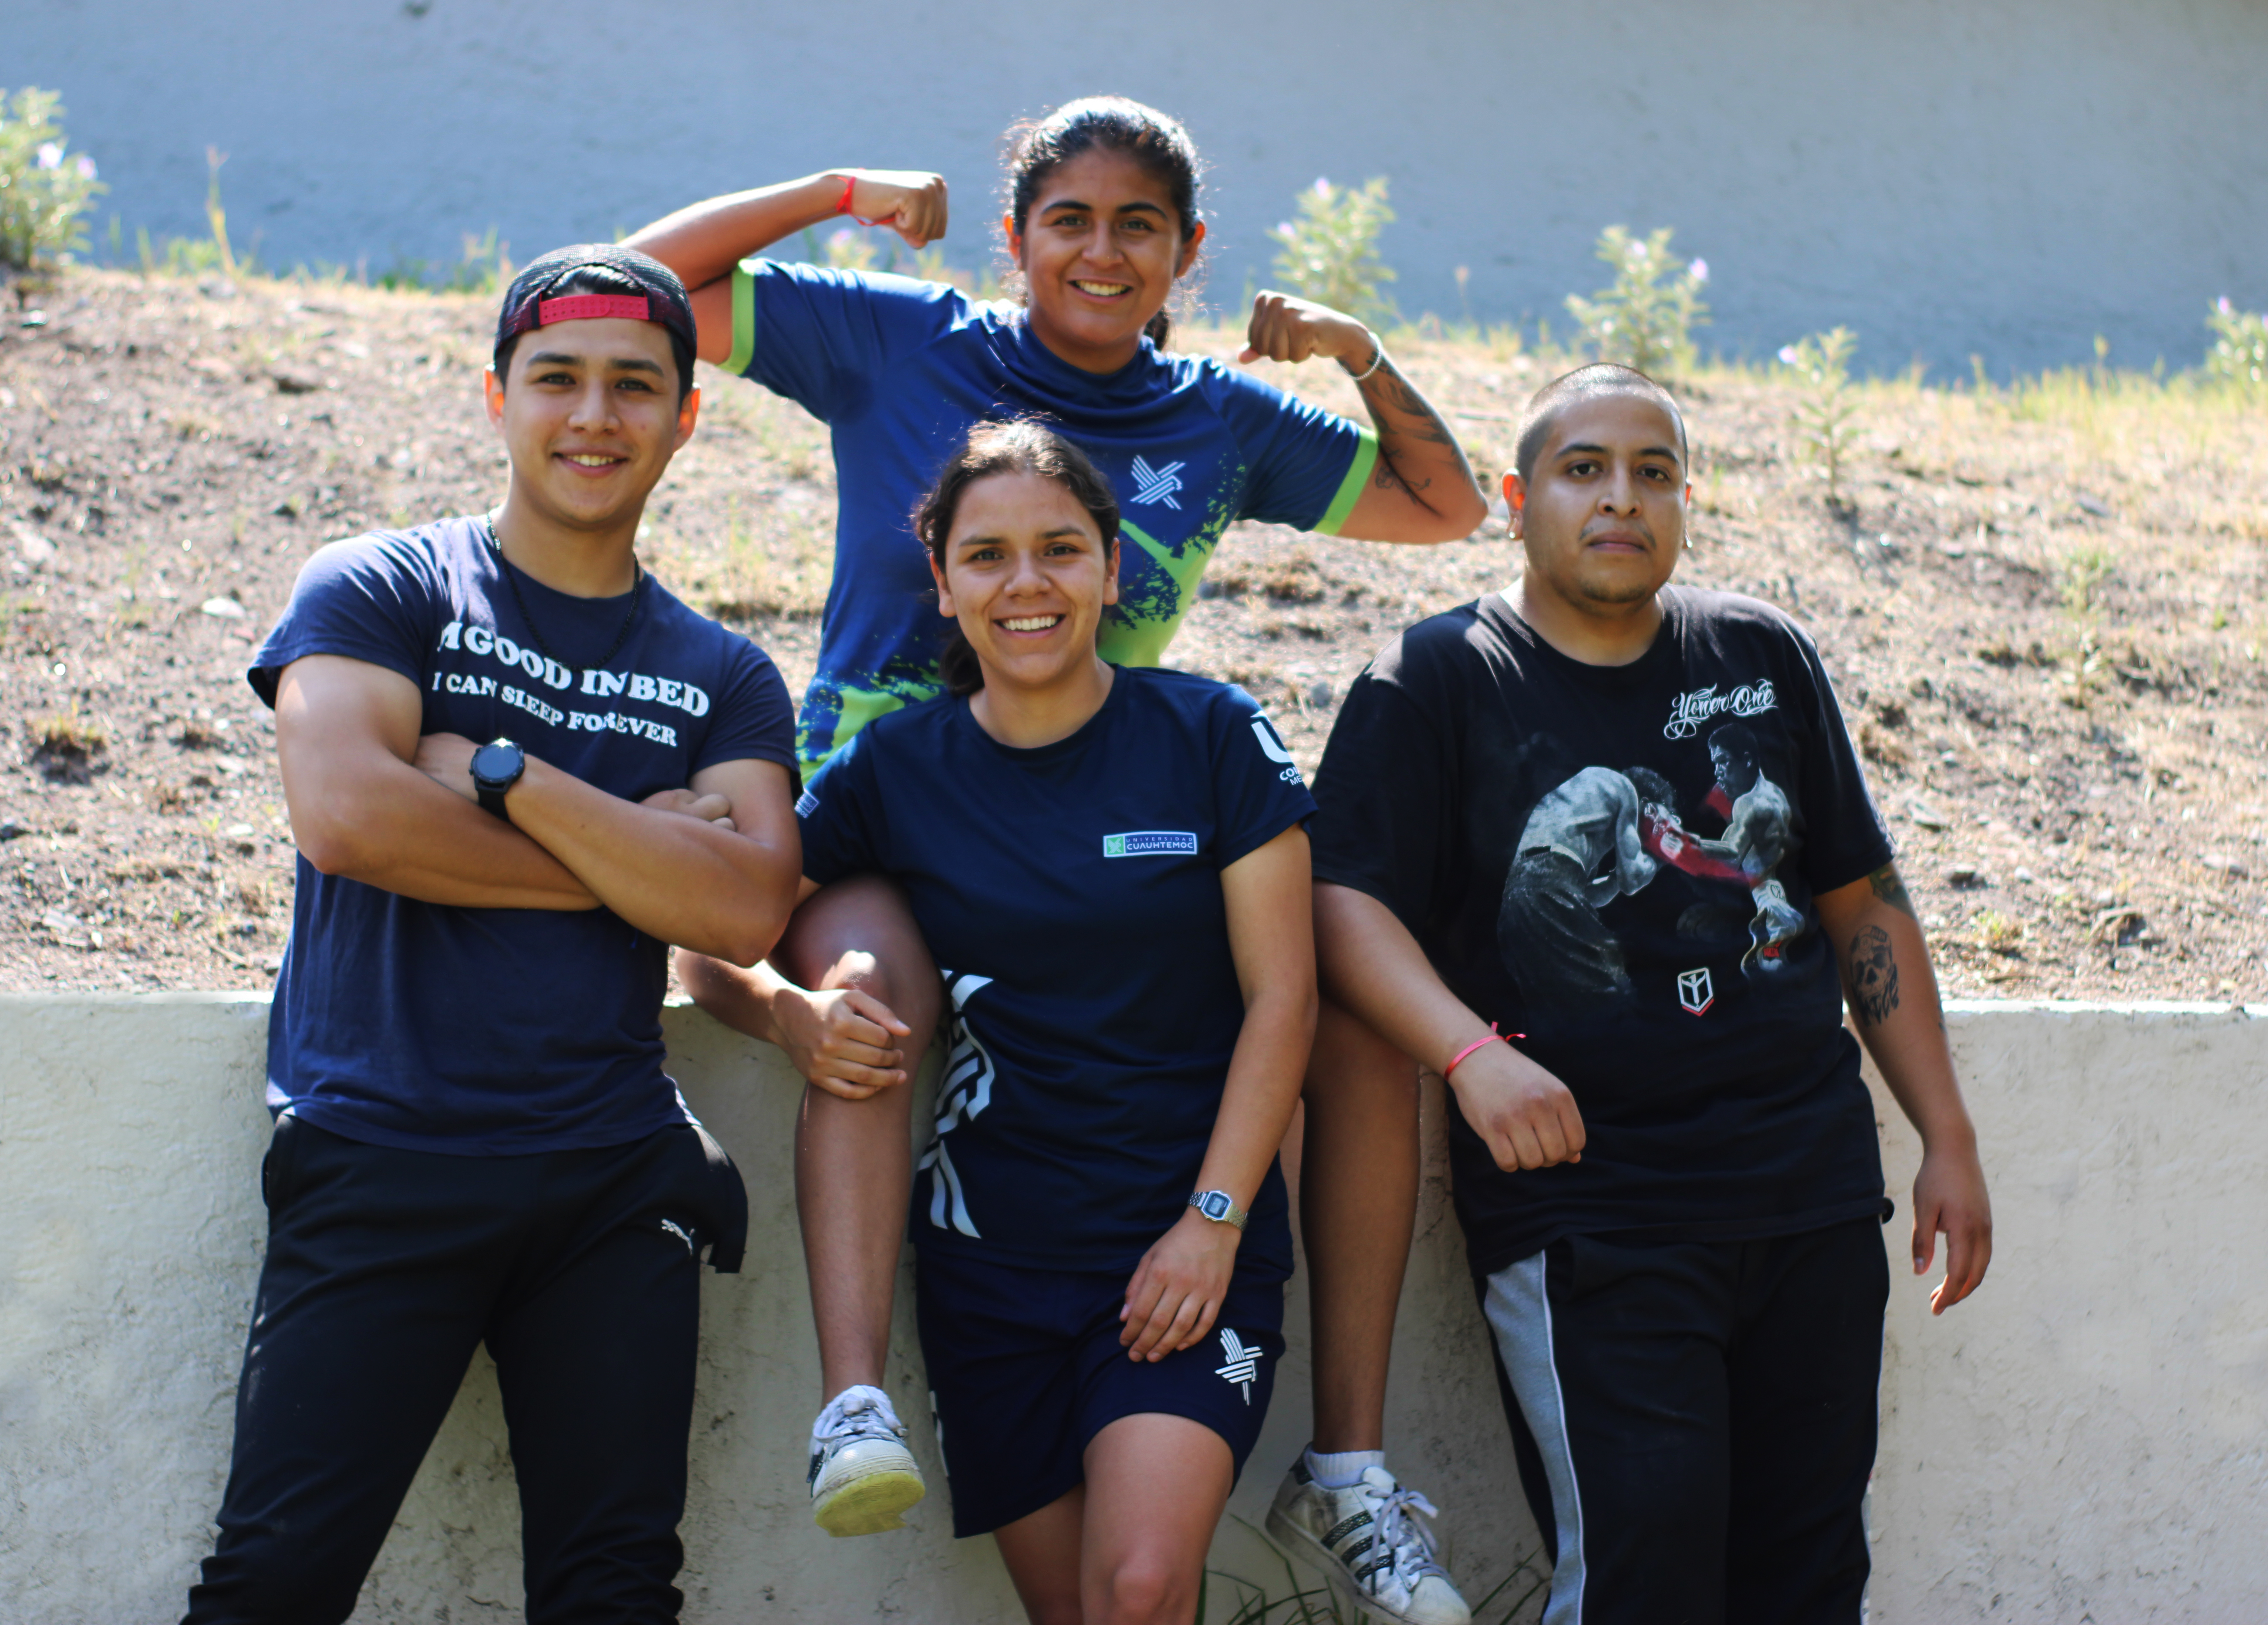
{"x": 2045, "y": 612}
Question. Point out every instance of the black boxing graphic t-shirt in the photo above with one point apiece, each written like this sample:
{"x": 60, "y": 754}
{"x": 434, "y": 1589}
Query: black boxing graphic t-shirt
{"x": 498, "y": 1031}
{"x": 1619, "y": 864}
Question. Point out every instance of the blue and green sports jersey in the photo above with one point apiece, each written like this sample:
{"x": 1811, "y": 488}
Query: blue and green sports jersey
{"x": 901, "y": 369}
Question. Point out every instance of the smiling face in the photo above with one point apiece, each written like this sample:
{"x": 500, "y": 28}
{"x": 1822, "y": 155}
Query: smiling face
{"x": 1100, "y": 249}
{"x": 590, "y": 418}
{"x": 1603, "y": 516}
{"x": 1026, "y": 576}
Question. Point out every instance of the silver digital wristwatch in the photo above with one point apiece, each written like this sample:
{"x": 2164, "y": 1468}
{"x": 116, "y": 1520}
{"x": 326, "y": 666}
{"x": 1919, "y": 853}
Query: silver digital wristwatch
{"x": 1220, "y": 1207}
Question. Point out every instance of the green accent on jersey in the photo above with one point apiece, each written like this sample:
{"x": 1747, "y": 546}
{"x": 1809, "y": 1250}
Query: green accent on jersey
{"x": 1357, "y": 475}
{"x": 859, "y": 706}
{"x": 744, "y": 321}
{"x": 1141, "y": 641}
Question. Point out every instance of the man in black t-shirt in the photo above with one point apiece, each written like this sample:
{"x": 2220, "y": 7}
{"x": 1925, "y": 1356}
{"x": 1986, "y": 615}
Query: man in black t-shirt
{"x": 1597, "y": 850}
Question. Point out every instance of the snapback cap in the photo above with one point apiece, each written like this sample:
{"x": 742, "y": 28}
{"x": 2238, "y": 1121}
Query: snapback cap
{"x": 531, "y": 303}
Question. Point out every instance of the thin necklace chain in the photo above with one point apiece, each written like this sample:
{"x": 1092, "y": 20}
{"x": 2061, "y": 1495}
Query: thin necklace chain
{"x": 512, "y": 578}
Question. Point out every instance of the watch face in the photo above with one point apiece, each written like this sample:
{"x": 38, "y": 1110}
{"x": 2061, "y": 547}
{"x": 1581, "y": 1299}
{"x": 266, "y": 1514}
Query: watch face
{"x": 497, "y": 764}
{"x": 1215, "y": 1205}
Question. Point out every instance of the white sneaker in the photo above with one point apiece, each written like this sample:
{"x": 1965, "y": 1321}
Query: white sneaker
{"x": 862, "y": 1475}
{"x": 1369, "y": 1542}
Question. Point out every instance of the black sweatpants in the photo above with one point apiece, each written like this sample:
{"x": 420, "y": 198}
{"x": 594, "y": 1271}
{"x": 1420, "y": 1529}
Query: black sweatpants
{"x": 384, "y": 1269}
{"x": 1694, "y": 1422}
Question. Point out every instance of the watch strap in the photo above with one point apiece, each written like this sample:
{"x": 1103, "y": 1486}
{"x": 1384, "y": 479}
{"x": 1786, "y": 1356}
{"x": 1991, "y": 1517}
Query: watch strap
{"x": 492, "y": 802}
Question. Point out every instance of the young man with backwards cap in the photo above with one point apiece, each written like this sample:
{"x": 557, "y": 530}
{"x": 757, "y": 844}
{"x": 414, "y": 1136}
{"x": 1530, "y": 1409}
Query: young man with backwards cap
{"x": 1596, "y": 849}
{"x": 475, "y": 1141}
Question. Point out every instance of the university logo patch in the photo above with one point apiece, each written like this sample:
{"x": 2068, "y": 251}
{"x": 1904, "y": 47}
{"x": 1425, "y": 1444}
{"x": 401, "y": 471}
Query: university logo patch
{"x": 1158, "y": 484}
{"x": 1272, "y": 746}
{"x": 1243, "y": 1367}
{"x": 1695, "y": 991}
{"x": 1149, "y": 843}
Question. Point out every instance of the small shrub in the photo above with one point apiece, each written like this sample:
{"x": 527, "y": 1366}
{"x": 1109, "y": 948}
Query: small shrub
{"x": 44, "y": 187}
{"x": 1821, "y": 367}
{"x": 1329, "y": 254}
{"x": 2239, "y": 355}
{"x": 1646, "y": 316}
{"x": 2084, "y": 570}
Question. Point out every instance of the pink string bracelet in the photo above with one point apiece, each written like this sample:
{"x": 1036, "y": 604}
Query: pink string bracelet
{"x": 1458, "y": 1060}
{"x": 1494, "y": 1037}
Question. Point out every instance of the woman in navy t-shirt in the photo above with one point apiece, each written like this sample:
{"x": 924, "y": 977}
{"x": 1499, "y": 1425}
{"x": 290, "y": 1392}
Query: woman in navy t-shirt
{"x": 1110, "y": 864}
{"x": 1102, "y": 224}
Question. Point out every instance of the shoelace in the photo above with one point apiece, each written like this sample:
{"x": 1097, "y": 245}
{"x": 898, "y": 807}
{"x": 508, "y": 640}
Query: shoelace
{"x": 1408, "y": 1540}
{"x": 855, "y": 1417}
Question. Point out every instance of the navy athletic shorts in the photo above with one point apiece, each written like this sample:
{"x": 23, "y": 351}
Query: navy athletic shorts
{"x": 1025, "y": 1369}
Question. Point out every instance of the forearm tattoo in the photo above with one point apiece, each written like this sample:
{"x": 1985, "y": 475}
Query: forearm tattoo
{"x": 1406, "y": 424}
{"x": 1873, "y": 974}
{"x": 1892, "y": 890}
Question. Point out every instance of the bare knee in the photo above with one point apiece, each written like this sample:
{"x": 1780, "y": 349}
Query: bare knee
{"x": 1145, "y": 1588}
{"x": 859, "y": 933}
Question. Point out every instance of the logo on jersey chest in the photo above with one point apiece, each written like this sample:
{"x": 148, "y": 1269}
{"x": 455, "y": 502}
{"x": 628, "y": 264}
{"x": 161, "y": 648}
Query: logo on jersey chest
{"x": 1695, "y": 991}
{"x": 1689, "y": 712}
{"x": 1149, "y": 843}
{"x": 1157, "y": 484}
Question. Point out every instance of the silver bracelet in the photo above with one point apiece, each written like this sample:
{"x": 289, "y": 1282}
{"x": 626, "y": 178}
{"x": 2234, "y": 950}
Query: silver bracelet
{"x": 1377, "y": 358}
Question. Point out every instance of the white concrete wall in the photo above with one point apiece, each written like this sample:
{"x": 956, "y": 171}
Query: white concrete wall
{"x": 2008, "y": 177}
{"x": 2083, "y": 1440}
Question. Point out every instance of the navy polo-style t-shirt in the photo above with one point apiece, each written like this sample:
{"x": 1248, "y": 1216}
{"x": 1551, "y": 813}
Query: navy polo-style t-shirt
{"x": 1072, "y": 896}
{"x": 498, "y": 1032}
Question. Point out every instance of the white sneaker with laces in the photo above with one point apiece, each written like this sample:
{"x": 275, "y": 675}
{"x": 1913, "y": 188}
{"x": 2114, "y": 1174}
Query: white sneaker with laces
{"x": 862, "y": 1475}
{"x": 1370, "y": 1542}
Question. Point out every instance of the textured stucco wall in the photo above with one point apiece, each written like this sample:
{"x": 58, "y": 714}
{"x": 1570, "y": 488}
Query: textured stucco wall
{"x": 2083, "y": 1439}
{"x": 2010, "y": 178}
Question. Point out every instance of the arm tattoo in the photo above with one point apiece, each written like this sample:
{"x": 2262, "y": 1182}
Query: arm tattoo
{"x": 1409, "y": 432}
{"x": 1892, "y": 890}
{"x": 1390, "y": 395}
{"x": 1873, "y": 975}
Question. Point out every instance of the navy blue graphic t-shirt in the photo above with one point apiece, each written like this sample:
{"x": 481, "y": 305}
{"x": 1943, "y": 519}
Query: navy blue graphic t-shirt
{"x": 1619, "y": 862}
{"x": 498, "y": 1031}
{"x": 901, "y": 369}
{"x": 1072, "y": 896}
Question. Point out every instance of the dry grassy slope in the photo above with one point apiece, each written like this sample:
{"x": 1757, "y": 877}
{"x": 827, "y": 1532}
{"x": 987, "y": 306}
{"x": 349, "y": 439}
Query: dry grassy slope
{"x": 2045, "y": 612}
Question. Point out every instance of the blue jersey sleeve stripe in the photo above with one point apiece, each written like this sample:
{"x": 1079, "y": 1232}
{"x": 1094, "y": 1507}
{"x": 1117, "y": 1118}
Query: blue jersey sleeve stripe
{"x": 1349, "y": 491}
{"x": 744, "y": 321}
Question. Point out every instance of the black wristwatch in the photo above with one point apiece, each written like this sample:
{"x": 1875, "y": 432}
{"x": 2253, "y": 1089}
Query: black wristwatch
{"x": 496, "y": 767}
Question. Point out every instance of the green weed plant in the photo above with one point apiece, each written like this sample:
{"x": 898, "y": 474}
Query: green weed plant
{"x": 2239, "y": 356}
{"x": 1646, "y": 317}
{"x": 1329, "y": 254}
{"x": 1819, "y": 365}
{"x": 44, "y": 188}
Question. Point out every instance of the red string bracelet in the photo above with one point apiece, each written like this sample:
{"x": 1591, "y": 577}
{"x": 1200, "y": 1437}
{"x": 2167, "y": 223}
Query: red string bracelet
{"x": 842, "y": 203}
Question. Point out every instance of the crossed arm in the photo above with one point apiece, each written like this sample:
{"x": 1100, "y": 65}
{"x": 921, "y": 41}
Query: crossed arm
{"x": 713, "y": 866}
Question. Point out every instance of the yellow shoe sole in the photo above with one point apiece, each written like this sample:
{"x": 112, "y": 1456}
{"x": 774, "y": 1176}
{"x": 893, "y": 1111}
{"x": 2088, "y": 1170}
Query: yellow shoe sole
{"x": 869, "y": 1505}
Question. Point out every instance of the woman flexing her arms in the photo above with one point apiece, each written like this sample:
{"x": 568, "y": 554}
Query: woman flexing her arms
{"x": 1101, "y": 223}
